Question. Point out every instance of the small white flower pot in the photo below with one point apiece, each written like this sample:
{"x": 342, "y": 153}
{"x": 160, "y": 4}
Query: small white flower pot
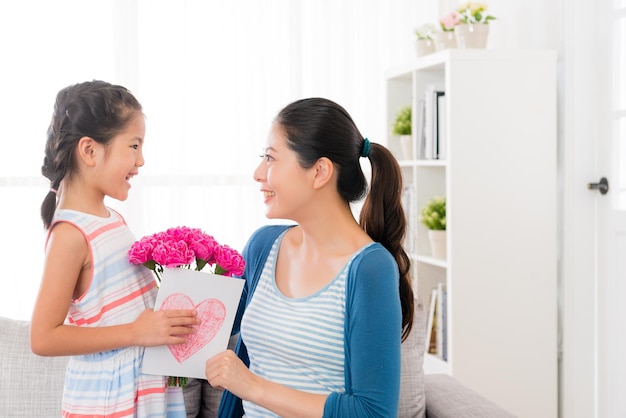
{"x": 471, "y": 35}
{"x": 406, "y": 141}
{"x": 437, "y": 243}
{"x": 424, "y": 47}
{"x": 444, "y": 40}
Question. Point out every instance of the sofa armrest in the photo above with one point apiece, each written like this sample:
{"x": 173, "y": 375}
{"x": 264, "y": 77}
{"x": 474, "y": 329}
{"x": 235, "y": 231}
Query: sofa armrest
{"x": 446, "y": 397}
{"x": 30, "y": 385}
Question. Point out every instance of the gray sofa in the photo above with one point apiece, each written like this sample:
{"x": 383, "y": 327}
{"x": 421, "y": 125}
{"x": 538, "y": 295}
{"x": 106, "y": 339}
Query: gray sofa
{"x": 30, "y": 386}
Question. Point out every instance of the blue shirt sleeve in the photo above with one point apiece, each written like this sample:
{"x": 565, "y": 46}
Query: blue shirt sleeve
{"x": 372, "y": 339}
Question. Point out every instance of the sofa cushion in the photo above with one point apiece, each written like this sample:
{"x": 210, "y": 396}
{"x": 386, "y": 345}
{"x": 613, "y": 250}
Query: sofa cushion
{"x": 30, "y": 385}
{"x": 447, "y": 397}
{"x": 412, "y": 397}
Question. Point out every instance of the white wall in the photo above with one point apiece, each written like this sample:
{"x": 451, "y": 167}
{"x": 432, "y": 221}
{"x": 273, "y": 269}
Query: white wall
{"x": 340, "y": 50}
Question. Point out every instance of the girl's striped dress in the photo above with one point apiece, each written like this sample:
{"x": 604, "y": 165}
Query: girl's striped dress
{"x": 109, "y": 384}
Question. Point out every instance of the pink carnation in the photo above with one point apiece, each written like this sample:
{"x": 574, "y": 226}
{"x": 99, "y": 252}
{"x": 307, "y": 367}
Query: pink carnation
{"x": 140, "y": 252}
{"x": 177, "y": 234}
{"x": 230, "y": 260}
{"x": 172, "y": 254}
{"x": 204, "y": 247}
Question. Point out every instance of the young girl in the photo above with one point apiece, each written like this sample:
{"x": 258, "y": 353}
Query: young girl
{"x": 93, "y": 304}
{"x": 328, "y": 301}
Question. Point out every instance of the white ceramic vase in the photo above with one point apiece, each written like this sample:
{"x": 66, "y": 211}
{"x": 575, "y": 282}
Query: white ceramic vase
{"x": 406, "y": 141}
{"x": 470, "y": 35}
{"x": 444, "y": 40}
{"x": 437, "y": 243}
{"x": 424, "y": 47}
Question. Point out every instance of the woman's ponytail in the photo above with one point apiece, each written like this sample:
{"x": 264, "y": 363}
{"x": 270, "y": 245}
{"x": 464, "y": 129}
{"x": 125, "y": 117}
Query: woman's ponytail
{"x": 383, "y": 218}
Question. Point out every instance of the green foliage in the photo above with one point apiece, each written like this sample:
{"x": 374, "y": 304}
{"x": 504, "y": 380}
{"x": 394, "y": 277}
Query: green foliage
{"x": 402, "y": 125}
{"x": 177, "y": 381}
{"x": 434, "y": 214}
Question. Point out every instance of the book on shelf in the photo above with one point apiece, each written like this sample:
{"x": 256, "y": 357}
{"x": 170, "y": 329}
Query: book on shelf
{"x": 437, "y": 327}
{"x": 428, "y": 122}
{"x": 431, "y": 327}
{"x": 419, "y": 128}
{"x": 444, "y": 323}
{"x": 431, "y": 124}
{"x": 409, "y": 212}
{"x": 441, "y": 318}
{"x": 441, "y": 125}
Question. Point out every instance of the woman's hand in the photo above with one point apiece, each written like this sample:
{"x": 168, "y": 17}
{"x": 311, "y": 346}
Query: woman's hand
{"x": 166, "y": 327}
{"x": 226, "y": 371}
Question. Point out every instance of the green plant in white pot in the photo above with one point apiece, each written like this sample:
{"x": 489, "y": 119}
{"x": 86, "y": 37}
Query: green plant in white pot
{"x": 433, "y": 216}
{"x": 402, "y": 128}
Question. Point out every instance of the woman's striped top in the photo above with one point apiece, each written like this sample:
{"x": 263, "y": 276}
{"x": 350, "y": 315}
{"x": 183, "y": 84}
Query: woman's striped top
{"x": 297, "y": 342}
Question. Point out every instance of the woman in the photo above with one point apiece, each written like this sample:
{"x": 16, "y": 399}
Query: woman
{"x": 327, "y": 301}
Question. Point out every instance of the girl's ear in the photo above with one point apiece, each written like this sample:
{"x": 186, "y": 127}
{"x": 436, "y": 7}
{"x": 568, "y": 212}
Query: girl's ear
{"x": 324, "y": 170}
{"x": 87, "y": 150}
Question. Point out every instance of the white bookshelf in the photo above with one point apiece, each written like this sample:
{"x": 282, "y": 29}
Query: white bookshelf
{"x": 499, "y": 179}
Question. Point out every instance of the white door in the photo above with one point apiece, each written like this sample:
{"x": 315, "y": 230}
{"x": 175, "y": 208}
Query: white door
{"x": 593, "y": 267}
{"x": 612, "y": 224}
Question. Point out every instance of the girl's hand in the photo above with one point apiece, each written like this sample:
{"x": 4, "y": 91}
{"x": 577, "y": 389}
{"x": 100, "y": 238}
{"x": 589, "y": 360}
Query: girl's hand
{"x": 226, "y": 371}
{"x": 167, "y": 327}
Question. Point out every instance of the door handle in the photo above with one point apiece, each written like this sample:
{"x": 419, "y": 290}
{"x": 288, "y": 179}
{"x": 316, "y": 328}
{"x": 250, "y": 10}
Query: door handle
{"x": 602, "y": 186}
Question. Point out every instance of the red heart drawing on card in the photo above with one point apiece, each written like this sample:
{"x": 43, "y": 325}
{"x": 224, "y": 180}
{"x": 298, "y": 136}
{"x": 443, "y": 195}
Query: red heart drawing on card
{"x": 211, "y": 313}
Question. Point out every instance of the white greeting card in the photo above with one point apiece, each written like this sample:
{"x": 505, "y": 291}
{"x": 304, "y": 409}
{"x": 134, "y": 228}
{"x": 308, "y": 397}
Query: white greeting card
{"x": 216, "y": 299}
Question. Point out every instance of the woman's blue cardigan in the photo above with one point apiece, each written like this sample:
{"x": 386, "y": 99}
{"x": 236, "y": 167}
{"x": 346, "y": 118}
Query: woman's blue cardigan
{"x": 372, "y": 333}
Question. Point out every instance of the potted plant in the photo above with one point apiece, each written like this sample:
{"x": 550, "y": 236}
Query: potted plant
{"x": 402, "y": 128}
{"x": 433, "y": 216}
{"x": 424, "y": 43}
{"x": 473, "y": 28}
{"x": 445, "y": 38}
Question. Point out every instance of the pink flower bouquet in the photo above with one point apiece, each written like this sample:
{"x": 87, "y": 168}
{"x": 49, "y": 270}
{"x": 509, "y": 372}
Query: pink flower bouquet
{"x": 185, "y": 248}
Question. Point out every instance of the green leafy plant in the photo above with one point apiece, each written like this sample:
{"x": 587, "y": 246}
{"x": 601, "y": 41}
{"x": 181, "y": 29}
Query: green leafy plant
{"x": 402, "y": 125}
{"x": 434, "y": 214}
